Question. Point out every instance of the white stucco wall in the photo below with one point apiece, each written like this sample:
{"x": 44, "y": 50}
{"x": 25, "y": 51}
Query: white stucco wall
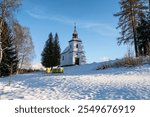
{"x": 71, "y": 52}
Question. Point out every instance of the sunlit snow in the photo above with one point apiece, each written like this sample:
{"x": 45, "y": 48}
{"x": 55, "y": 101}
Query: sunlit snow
{"x": 80, "y": 82}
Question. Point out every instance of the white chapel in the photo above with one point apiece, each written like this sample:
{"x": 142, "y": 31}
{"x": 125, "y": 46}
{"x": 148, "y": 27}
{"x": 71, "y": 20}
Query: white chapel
{"x": 74, "y": 53}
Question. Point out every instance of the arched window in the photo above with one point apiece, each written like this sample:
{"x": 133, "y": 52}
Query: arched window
{"x": 77, "y": 46}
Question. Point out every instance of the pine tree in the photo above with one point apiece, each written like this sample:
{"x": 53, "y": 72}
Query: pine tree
{"x": 143, "y": 31}
{"x": 9, "y": 63}
{"x": 57, "y": 50}
{"x": 48, "y": 53}
{"x": 131, "y": 11}
{"x": 10, "y": 58}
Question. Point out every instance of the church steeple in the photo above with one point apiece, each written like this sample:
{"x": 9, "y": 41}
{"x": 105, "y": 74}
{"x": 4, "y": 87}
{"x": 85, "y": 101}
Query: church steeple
{"x": 75, "y": 34}
{"x": 74, "y": 52}
{"x": 75, "y": 27}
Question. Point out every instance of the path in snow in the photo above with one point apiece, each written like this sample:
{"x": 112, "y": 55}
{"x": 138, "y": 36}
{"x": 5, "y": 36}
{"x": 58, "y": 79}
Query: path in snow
{"x": 80, "y": 82}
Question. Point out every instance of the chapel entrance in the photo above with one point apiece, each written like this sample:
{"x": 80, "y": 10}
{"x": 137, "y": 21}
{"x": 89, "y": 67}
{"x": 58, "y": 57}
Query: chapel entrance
{"x": 76, "y": 61}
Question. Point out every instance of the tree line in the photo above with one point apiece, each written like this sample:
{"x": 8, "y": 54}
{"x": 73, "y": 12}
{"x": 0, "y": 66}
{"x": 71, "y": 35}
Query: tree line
{"x": 51, "y": 52}
{"x": 16, "y": 46}
{"x": 134, "y": 22}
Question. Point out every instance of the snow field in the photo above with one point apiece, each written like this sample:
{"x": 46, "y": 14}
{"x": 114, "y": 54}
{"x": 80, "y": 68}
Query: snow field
{"x": 80, "y": 82}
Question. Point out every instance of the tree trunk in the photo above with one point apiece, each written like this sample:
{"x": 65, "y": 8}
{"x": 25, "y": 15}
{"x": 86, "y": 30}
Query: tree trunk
{"x": 1, "y": 27}
{"x": 135, "y": 38}
{"x": 22, "y": 60}
{"x": 1, "y": 51}
{"x": 149, "y": 5}
{"x": 133, "y": 23}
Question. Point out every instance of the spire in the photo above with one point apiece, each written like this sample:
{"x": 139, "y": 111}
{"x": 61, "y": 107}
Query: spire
{"x": 75, "y": 34}
{"x": 75, "y": 27}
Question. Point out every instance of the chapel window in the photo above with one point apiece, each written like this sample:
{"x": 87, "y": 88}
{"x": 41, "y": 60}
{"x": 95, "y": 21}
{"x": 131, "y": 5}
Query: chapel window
{"x": 77, "y": 46}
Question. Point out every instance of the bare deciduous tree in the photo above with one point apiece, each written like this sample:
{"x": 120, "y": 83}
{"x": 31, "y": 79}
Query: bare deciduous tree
{"x": 24, "y": 45}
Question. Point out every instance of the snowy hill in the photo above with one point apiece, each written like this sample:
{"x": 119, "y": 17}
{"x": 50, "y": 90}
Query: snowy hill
{"x": 80, "y": 82}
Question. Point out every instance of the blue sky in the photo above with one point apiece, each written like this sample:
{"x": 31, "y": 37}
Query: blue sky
{"x": 95, "y": 22}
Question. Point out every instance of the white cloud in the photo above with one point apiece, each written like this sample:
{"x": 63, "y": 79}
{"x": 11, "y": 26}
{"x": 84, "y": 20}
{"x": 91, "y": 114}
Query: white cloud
{"x": 100, "y": 28}
{"x": 54, "y": 18}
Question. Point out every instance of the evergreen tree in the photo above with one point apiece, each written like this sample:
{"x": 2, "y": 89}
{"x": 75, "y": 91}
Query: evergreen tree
{"x": 149, "y": 4}
{"x": 7, "y": 9}
{"x": 9, "y": 63}
{"x": 48, "y": 53}
{"x": 143, "y": 31}
{"x": 131, "y": 11}
{"x": 57, "y": 50}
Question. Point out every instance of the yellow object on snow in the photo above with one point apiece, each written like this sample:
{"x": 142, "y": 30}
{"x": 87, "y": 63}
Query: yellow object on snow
{"x": 48, "y": 70}
{"x": 58, "y": 70}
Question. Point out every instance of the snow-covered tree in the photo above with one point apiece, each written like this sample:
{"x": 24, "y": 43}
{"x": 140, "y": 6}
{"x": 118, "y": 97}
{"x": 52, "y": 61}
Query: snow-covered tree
{"x": 83, "y": 58}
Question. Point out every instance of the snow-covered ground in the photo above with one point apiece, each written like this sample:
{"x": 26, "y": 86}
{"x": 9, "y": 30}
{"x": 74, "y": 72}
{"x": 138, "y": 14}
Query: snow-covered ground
{"x": 80, "y": 82}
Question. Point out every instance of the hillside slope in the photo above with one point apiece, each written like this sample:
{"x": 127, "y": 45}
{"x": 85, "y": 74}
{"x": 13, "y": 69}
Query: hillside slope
{"x": 80, "y": 82}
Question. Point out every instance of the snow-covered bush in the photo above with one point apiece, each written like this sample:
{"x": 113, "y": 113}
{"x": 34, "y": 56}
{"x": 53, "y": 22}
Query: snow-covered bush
{"x": 22, "y": 71}
{"x": 125, "y": 62}
{"x": 128, "y": 62}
